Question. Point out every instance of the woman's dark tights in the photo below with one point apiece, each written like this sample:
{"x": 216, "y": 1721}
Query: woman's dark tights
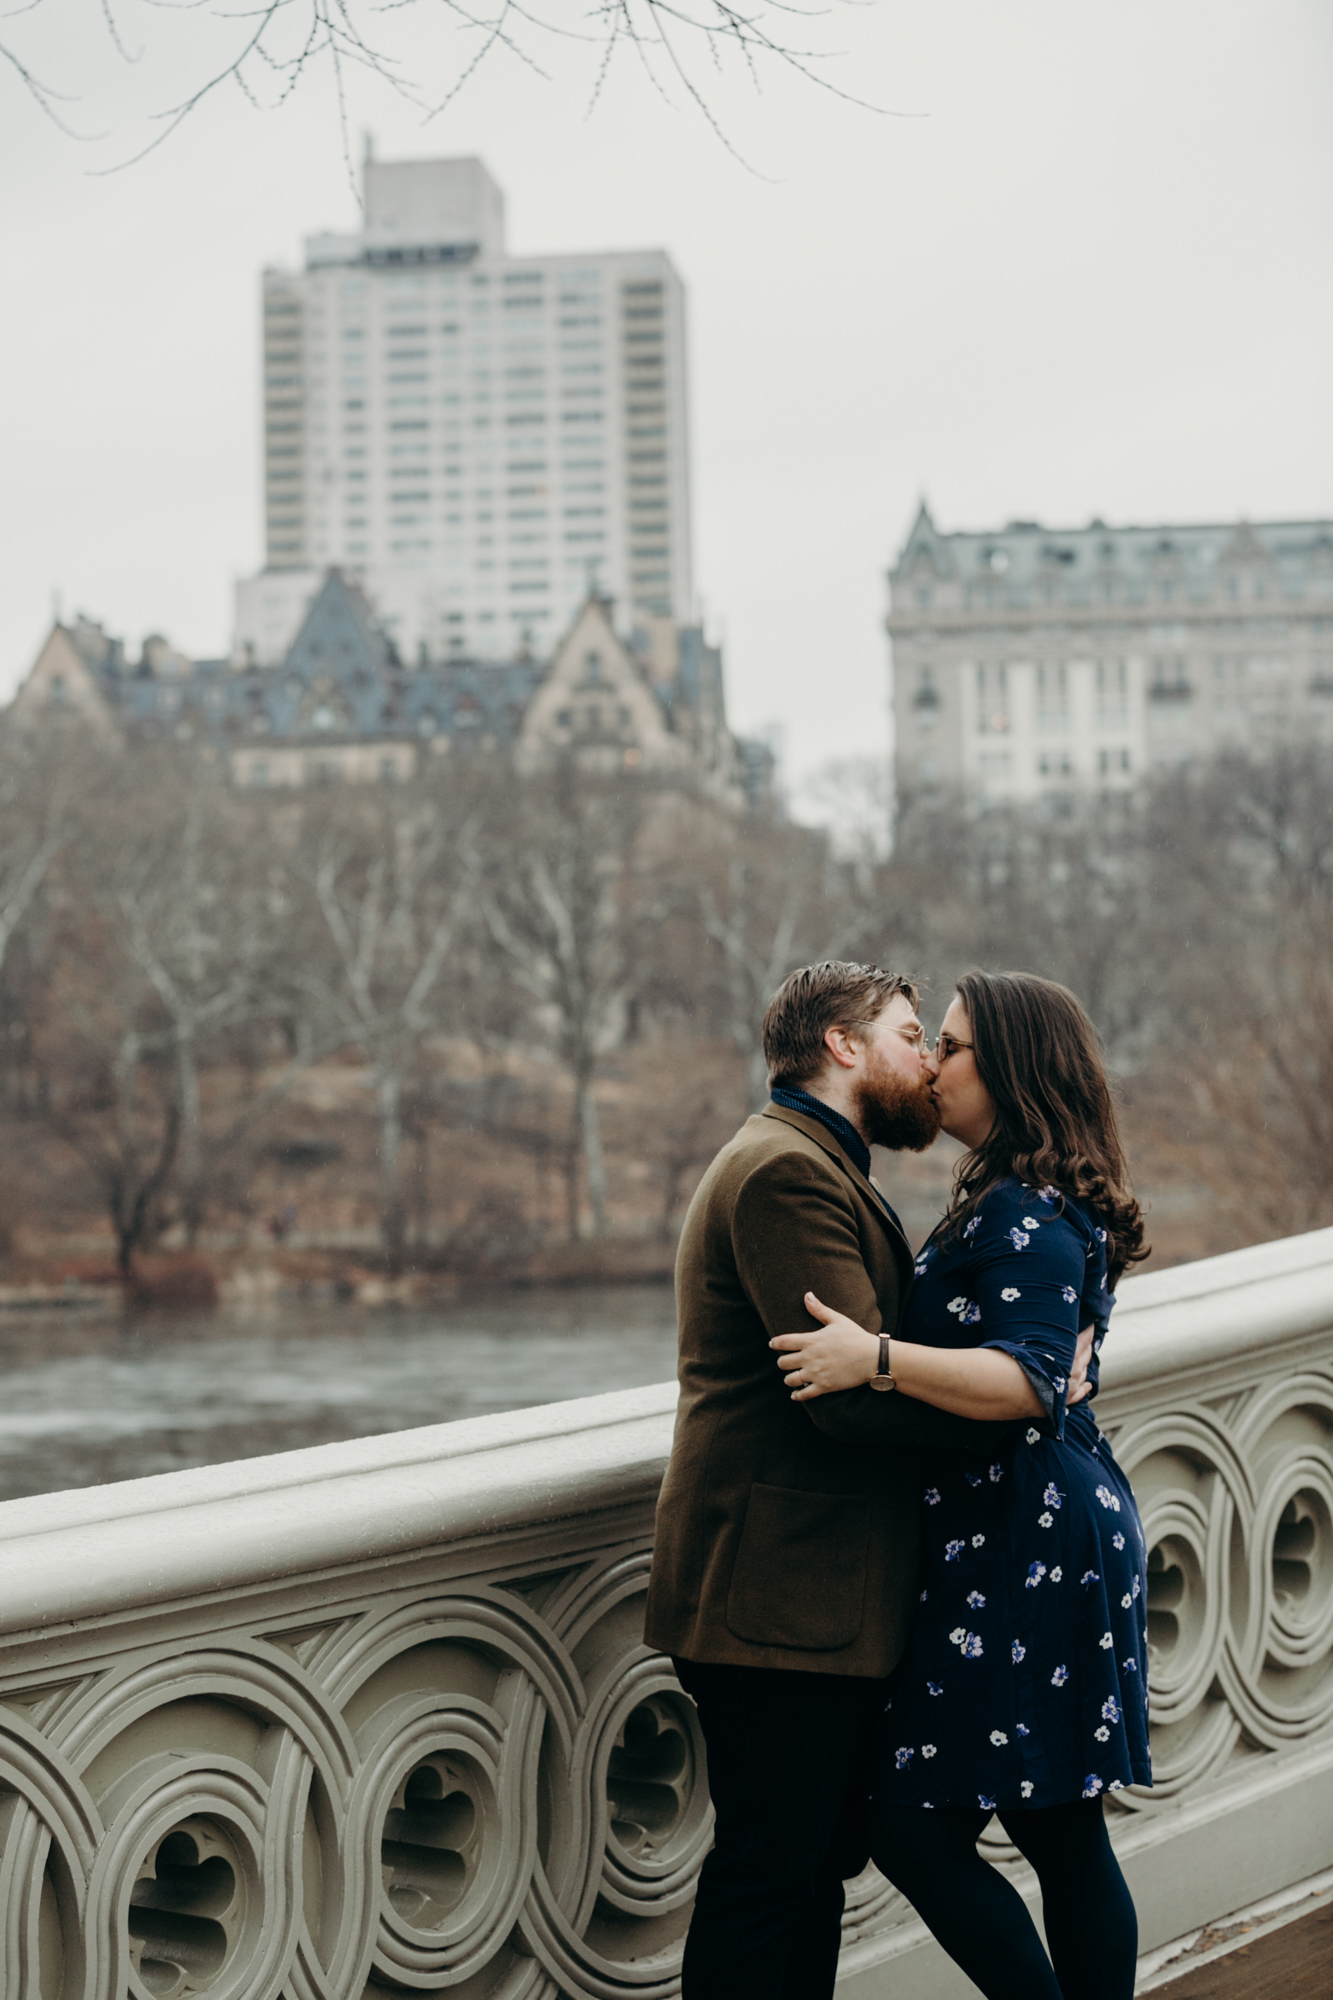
{"x": 983, "y": 1922}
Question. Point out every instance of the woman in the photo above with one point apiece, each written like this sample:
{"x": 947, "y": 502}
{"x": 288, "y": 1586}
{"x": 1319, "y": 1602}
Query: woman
{"x": 1024, "y": 1688}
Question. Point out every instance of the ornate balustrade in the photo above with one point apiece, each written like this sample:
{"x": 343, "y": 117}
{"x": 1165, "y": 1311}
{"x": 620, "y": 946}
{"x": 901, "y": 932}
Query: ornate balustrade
{"x": 376, "y": 1718}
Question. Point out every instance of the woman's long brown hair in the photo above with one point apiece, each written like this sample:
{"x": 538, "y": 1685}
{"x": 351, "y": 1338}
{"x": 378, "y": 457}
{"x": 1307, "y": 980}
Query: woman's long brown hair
{"x": 1038, "y": 1055}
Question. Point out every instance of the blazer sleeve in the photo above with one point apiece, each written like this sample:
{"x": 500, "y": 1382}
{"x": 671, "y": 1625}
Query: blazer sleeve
{"x": 794, "y": 1231}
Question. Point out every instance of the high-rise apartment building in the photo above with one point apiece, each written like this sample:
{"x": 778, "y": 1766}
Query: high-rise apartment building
{"x": 475, "y": 436}
{"x": 1032, "y": 661}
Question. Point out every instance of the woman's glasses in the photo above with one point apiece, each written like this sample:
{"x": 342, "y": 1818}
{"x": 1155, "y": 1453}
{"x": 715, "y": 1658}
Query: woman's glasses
{"x": 941, "y": 1048}
{"x": 948, "y": 1045}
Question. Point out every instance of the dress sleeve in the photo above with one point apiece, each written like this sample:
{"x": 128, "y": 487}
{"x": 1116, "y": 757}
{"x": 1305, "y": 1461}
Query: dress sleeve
{"x": 1026, "y": 1270}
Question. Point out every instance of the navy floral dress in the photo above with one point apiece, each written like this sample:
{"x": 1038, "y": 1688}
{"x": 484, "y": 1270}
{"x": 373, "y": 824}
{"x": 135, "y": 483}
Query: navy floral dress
{"x": 1025, "y": 1681}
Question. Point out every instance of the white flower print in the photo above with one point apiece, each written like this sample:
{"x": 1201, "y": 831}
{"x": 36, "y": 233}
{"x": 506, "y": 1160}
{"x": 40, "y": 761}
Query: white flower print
{"x": 1131, "y": 1666}
{"x": 1036, "y": 1571}
{"x": 1100, "y": 1234}
{"x": 927, "y": 1749}
{"x": 1092, "y": 1784}
{"x": 1010, "y": 1293}
{"x": 1108, "y": 1498}
{"x": 936, "y": 1687}
{"x": 920, "y": 1267}
{"x": 1053, "y": 1496}
{"x": 1031, "y": 1222}
{"x": 1069, "y": 1295}
{"x": 1026, "y": 1788}
{"x": 924, "y": 1595}
{"x": 977, "y": 1600}
{"x": 1033, "y": 1437}
{"x": 972, "y": 1317}
{"x": 1103, "y": 1734}
{"x": 1057, "y": 1574}
{"x": 998, "y": 1737}
{"x": 1048, "y": 1194}
{"x": 1135, "y": 1591}
{"x": 1111, "y": 1709}
{"x": 972, "y": 1648}
{"x": 1057, "y": 1382}
{"x": 971, "y": 1228}
{"x": 931, "y": 1496}
{"x": 957, "y": 1636}
{"x": 1019, "y": 1238}
{"x": 957, "y": 1305}
{"x": 1126, "y": 1601}
{"x": 1117, "y": 1540}
{"x": 1018, "y": 1651}
{"x": 952, "y": 1551}
{"x": 987, "y": 1805}
{"x": 1106, "y": 1642}
{"x": 902, "y": 1758}
{"x": 1059, "y": 1677}
{"x": 1045, "y": 1520}
{"x": 1021, "y": 1729}
{"x": 1090, "y": 1576}
{"x": 978, "y": 1541}
{"x": 996, "y": 1474}
{"x": 1116, "y": 1785}
{"x": 972, "y": 1478}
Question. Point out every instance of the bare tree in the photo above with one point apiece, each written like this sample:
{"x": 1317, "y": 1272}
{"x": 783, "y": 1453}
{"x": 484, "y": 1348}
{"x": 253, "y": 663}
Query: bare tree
{"x": 269, "y": 51}
{"x": 203, "y": 927}
{"x": 38, "y": 785}
{"x": 568, "y": 895}
{"x": 391, "y": 877}
{"x": 104, "y": 1080}
{"x": 769, "y": 898}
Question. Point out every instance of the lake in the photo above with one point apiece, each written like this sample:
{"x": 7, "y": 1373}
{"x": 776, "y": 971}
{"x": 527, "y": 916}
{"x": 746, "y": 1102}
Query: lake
{"x": 89, "y": 1398}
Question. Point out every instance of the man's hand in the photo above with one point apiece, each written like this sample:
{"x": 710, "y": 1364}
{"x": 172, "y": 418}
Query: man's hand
{"x": 1078, "y": 1374}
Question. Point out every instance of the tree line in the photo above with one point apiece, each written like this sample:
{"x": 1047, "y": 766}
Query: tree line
{"x": 578, "y": 967}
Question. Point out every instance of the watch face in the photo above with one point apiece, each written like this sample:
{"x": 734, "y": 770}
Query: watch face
{"x": 882, "y": 1382}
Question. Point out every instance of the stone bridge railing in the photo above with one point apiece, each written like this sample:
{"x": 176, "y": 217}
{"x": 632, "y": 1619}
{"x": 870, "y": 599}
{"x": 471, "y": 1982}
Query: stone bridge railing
{"x": 376, "y": 1718}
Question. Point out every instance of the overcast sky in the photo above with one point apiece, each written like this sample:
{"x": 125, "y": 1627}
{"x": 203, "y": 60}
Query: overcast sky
{"x": 1089, "y": 275}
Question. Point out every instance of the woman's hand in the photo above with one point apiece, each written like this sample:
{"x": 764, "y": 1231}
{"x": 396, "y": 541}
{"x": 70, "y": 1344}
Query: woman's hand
{"x": 837, "y": 1355}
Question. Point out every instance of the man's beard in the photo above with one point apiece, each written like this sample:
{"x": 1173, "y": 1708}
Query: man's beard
{"x": 901, "y": 1116}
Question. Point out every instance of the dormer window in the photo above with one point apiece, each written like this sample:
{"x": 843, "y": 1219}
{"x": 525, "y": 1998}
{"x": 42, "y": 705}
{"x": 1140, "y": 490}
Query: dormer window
{"x": 59, "y": 693}
{"x": 592, "y": 670}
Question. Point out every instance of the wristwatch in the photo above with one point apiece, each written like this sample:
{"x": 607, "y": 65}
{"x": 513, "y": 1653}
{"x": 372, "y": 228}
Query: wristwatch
{"x": 883, "y": 1376}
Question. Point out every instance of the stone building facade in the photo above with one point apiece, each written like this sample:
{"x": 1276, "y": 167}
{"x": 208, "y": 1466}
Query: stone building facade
{"x": 1031, "y": 662}
{"x": 342, "y": 706}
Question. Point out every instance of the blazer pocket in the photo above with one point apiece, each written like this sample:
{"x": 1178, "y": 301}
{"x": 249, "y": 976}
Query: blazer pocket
{"x": 799, "y": 1578}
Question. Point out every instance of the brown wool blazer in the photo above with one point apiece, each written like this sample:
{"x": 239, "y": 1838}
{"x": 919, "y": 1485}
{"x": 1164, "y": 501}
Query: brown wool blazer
{"x": 787, "y": 1533}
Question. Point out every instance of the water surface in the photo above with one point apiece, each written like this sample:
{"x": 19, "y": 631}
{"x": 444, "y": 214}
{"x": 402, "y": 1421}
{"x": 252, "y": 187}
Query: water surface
{"x": 86, "y": 1399}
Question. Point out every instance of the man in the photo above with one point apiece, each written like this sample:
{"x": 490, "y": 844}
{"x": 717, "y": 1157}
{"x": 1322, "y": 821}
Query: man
{"x": 785, "y": 1570}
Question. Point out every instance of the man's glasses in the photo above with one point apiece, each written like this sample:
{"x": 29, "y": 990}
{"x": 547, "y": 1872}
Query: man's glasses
{"x": 941, "y": 1048}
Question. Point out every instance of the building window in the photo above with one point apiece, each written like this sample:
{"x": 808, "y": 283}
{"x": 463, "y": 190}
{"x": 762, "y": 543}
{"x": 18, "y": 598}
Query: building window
{"x": 1111, "y": 688}
{"x": 992, "y": 699}
{"x": 1053, "y": 697}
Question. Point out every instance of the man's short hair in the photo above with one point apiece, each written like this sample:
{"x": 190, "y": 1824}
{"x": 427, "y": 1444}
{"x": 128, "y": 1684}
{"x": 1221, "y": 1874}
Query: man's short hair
{"x": 832, "y": 994}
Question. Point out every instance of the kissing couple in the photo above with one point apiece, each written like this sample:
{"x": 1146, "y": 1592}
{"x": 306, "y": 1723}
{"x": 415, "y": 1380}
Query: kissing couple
{"x": 897, "y": 1567}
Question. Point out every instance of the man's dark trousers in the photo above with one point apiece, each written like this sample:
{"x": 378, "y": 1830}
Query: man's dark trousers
{"x": 788, "y": 1767}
